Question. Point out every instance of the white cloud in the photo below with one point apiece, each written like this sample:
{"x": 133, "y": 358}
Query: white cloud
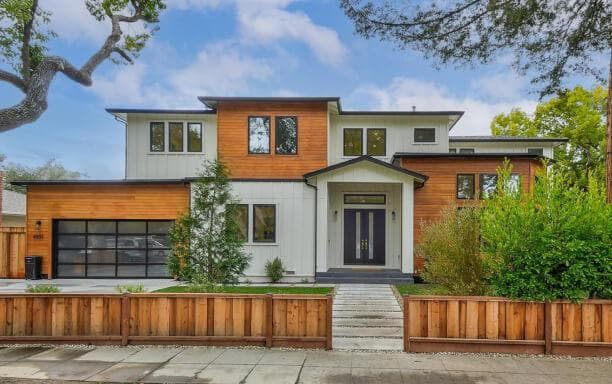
{"x": 403, "y": 93}
{"x": 502, "y": 86}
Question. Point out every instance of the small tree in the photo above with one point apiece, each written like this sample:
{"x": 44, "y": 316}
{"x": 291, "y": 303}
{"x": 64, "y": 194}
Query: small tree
{"x": 207, "y": 244}
{"x": 451, "y": 248}
{"x": 553, "y": 242}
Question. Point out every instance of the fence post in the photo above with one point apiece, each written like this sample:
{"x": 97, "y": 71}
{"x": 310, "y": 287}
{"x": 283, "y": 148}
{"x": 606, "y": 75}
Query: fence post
{"x": 269, "y": 320}
{"x": 548, "y": 327}
{"x": 406, "y": 315}
{"x": 328, "y": 331}
{"x": 125, "y": 318}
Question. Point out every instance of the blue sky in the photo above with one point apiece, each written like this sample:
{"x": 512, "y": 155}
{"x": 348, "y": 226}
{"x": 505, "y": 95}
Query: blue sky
{"x": 242, "y": 48}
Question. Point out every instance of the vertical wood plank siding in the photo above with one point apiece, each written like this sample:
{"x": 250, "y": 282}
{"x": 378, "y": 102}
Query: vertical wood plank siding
{"x": 120, "y": 201}
{"x": 490, "y": 324}
{"x": 441, "y": 187}
{"x": 206, "y": 319}
{"x": 232, "y": 139}
{"x": 12, "y": 252}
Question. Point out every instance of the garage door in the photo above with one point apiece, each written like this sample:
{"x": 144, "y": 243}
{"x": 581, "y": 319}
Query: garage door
{"x": 111, "y": 248}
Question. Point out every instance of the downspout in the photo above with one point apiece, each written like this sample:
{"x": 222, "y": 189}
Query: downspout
{"x": 315, "y": 223}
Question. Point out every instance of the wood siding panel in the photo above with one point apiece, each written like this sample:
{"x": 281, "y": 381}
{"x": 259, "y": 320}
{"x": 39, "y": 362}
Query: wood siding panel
{"x": 232, "y": 139}
{"x": 441, "y": 187}
{"x": 48, "y": 202}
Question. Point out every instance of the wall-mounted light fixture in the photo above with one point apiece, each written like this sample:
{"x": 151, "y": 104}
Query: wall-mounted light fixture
{"x": 38, "y": 230}
{"x": 335, "y": 215}
{"x": 393, "y": 215}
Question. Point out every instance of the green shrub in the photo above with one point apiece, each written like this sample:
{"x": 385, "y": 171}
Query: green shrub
{"x": 451, "y": 249}
{"x": 42, "y": 288}
{"x": 130, "y": 288}
{"x": 552, "y": 243}
{"x": 275, "y": 269}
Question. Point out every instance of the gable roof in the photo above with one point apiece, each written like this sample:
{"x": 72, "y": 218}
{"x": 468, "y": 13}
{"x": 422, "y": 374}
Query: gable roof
{"x": 13, "y": 203}
{"x": 419, "y": 176}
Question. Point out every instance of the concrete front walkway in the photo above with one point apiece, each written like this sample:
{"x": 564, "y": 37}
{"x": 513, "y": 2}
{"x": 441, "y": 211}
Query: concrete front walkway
{"x": 257, "y": 365}
{"x": 366, "y": 317}
{"x": 84, "y": 285}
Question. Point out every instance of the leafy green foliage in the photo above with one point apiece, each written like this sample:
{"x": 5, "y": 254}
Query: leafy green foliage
{"x": 42, "y": 288}
{"x": 421, "y": 289}
{"x": 579, "y": 115}
{"x": 130, "y": 288}
{"x": 51, "y": 170}
{"x": 451, "y": 248}
{"x": 207, "y": 244}
{"x": 275, "y": 269}
{"x": 554, "y": 242}
{"x": 257, "y": 289}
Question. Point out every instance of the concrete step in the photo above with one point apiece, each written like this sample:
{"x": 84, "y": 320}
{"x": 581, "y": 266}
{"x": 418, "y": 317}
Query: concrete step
{"x": 370, "y": 280}
{"x": 367, "y": 314}
{"x": 366, "y": 322}
{"x": 392, "y": 332}
{"x": 368, "y": 343}
{"x": 379, "y": 308}
{"x": 342, "y": 301}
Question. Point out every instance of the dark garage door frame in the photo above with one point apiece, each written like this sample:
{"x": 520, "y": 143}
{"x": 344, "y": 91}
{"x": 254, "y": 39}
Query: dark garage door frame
{"x": 84, "y": 247}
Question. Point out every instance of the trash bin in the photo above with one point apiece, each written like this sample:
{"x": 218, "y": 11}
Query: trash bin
{"x": 33, "y": 267}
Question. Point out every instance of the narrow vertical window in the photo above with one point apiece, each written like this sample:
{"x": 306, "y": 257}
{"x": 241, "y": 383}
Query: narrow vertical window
{"x": 286, "y": 135}
{"x": 157, "y": 137}
{"x": 241, "y": 215}
{"x": 353, "y": 141}
{"x": 175, "y": 137}
{"x": 264, "y": 223}
{"x": 259, "y": 134}
{"x": 377, "y": 142}
{"x": 465, "y": 186}
{"x": 488, "y": 184}
{"x": 194, "y": 137}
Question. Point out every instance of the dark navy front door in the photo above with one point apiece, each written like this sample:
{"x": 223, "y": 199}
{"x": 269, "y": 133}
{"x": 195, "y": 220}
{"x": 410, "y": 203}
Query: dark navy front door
{"x": 364, "y": 237}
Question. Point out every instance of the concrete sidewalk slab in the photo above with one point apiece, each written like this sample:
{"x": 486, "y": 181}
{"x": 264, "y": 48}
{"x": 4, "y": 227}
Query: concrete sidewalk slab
{"x": 328, "y": 359}
{"x": 325, "y": 375}
{"x": 58, "y": 354}
{"x": 366, "y": 343}
{"x": 197, "y": 355}
{"x": 225, "y": 374}
{"x": 273, "y": 374}
{"x": 24, "y": 369}
{"x": 108, "y": 354}
{"x": 124, "y": 373}
{"x": 240, "y": 356}
{"x": 18, "y": 353}
{"x": 174, "y": 373}
{"x": 375, "y": 376}
{"x": 71, "y": 370}
{"x": 284, "y": 357}
{"x": 153, "y": 355}
{"x": 368, "y": 331}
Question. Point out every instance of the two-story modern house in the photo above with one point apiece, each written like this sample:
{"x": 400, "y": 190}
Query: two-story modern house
{"x": 324, "y": 189}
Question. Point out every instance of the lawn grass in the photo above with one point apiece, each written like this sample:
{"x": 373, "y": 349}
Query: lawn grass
{"x": 255, "y": 289}
{"x": 421, "y": 289}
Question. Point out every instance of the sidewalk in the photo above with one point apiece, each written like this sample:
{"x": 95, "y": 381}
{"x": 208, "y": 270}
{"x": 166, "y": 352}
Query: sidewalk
{"x": 257, "y": 365}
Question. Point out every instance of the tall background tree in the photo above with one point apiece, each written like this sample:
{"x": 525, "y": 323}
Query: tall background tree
{"x": 29, "y": 67}
{"x": 578, "y": 114}
{"x": 549, "y": 39}
{"x": 50, "y": 170}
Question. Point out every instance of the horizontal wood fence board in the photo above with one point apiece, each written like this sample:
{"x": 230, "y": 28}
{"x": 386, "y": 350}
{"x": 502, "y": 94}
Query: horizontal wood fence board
{"x": 208, "y": 319}
{"x": 494, "y": 324}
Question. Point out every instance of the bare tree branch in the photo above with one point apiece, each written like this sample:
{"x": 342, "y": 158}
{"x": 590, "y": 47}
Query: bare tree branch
{"x": 13, "y": 79}
{"x": 25, "y": 46}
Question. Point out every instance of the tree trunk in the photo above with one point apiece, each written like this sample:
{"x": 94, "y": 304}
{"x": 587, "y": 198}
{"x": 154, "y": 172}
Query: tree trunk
{"x": 609, "y": 137}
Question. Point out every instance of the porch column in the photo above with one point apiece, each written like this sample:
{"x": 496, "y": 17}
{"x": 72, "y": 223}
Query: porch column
{"x": 407, "y": 226}
{"x": 321, "y": 220}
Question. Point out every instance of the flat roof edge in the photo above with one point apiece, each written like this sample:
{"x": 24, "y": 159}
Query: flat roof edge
{"x": 97, "y": 182}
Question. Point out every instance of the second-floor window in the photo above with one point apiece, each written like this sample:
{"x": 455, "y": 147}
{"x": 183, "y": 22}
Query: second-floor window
{"x": 194, "y": 137}
{"x": 424, "y": 135}
{"x": 286, "y": 135}
{"x": 157, "y": 137}
{"x": 175, "y": 137}
{"x": 352, "y": 142}
{"x": 259, "y": 134}
{"x": 377, "y": 142}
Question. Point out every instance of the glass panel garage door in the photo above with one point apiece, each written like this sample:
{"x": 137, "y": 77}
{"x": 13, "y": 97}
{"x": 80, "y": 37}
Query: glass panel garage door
{"x": 111, "y": 248}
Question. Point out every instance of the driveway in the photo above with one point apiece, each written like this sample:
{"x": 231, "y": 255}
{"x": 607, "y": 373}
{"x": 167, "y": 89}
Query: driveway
{"x": 277, "y": 366}
{"x": 84, "y": 285}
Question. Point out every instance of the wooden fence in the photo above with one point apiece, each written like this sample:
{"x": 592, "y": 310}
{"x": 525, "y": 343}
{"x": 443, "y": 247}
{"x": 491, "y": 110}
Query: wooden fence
{"x": 160, "y": 318}
{"x": 12, "y": 252}
{"x": 491, "y": 324}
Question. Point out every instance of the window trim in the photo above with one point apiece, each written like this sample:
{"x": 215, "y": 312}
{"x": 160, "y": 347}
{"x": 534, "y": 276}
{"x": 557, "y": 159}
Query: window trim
{"x": 163, "y": 124}
{"x": 414, "y": 140}
{"x": 182, "y": 123}
{"x": 276, "y": 118}
{"x": 249, "y": 134}
{"x": 473, "y": 175}
{"x": 344, "y": 137}
{"x": 480, "y": 183}
{"x": 248, "y": 232}
{"x": 273, "y": 241}
{"x": 189, "y": 123}
{"x": 368, "y": 141}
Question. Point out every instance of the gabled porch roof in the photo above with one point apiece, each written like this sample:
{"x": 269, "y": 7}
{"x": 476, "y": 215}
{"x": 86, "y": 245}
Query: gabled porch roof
{"x": 365, "y": 158}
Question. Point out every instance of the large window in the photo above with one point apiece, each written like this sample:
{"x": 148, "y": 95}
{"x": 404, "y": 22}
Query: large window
{"x": 377, "y": 142}
{"x": 259, "y": 134}
{"x": 465, "y": 186}
{"x": 175, "y": 134}
{"x": 353, "y": 141}
{"x": 111, "y": 248}
{"x": 286, "y": 135}
{"x": 157, "y": 137}
{"x": 194, "y": 137}
{"x": 424, "y": 135}
{"x": 264, "y": 223}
